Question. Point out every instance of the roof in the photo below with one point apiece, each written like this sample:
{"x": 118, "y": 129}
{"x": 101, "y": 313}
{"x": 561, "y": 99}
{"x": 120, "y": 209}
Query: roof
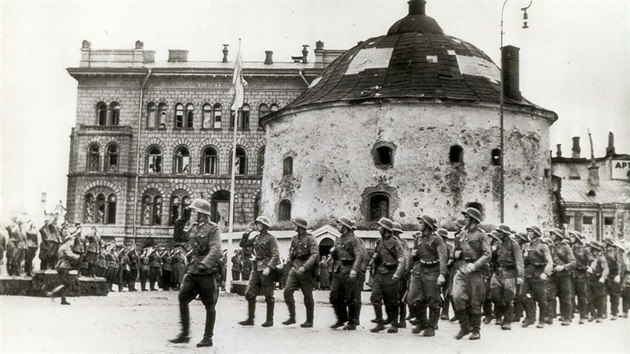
{"x": 414, "y": 60}
{"x": 608, "y": 191}
{"x": 229, "y": 65}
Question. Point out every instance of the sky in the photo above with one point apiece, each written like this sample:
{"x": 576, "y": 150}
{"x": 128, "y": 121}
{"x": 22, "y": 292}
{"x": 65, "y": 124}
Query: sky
{"x": 574, "y": 60}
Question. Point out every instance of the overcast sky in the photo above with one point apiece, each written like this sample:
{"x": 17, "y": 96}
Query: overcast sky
{"x": 574, "y": 61}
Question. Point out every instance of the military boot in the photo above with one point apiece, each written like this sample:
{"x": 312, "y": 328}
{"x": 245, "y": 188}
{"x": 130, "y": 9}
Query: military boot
{"x": 434, "y": 314}
{"x": 291, "y": 320}
{"x": 476, "y": 327}
{"x": 310, "y": 310}
{"x": 269, "y": 321}
{"x": 464, "y": 323}
{"x": 445, "y": 308}
{"x": 421, "y": 319}
{"x": 393, "y": 314}
{"x": 402, "y": 322}
{"x": 378, "y": 311}
{"x": 184, "y": 314}
{"x": 64, "y": 301}
{"x": 251, "y": 310}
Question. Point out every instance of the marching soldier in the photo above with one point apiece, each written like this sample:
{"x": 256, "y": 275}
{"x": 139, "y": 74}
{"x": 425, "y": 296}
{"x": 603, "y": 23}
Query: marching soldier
{"x": 428, "y": 273}
{"x": 583, "y": 258}
{"x": 54, "y": 238}
{"x": 31, "y": 248}
{"x": 448, "y": 286}
{"x": 112, "y": 267}
{"x": 362, "y": 270}
{"x": 625, "y": 284}
{"x": 145, "y": 268}
{"x": 205, "y": 241}
{"x": 564, "y": 263}
{"x": 303, "y": 255}
{"x": 519, "y": 308}
{"x": 349, "y": 254}
{"x": 597, "y": 275}
{"x": 389, "y": 262}
{"x": 261, "y": 281}
{"x": 134, "y": 265}
{"x": 538, "y": 267}
{"x": 154, "y": 268}
{"x": 401, "y": 322}
{"x": 474, "y": 250}
{"x": 65, "y": 260}
{"x": 613, "y": 283}
{"x": 509, "y": 274}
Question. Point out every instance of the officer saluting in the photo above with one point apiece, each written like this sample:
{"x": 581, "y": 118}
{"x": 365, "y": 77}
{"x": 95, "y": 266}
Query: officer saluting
{"x": 205, "y": 240}
{"x": 261, "y": 281}
{"x": 304, "y": 258}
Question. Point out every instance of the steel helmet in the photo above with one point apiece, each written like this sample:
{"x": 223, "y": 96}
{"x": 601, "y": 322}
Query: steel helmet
{"x": 201, "y": 206}
{"x": 300, "y": 222}
{"x": 596, "y": 245}
{"x": 263, "y": 220}
{"x": 504, "y": 229}
{"x": 442, "y": 232}
{"x": 386, "y": 223}
{"x": 428, "y": 220}
{"x": 556, "y": 232}
{"x": 535, "y": 229}
{"x": 347, "y": 222}
{"x": 473, "y": 213}
{"x": 397, "y": 227}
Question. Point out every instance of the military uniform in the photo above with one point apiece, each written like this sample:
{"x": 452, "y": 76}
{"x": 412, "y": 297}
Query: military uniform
{"x": 154, "y": 269}
{"x": 429, "y": 261}
{"x": 112, "y": 268}
{"x": 349, "y": 254}
{"x": 65, "y": 259}
{"x": 205, "y": 241}
{"x": 167, "y": 264}
{"x": 598, "y": 274}
{"x": 538, "y": 261}
{"x": 246, "y": 271}
{"x": 302, "y": 253}
{"x": 583, "y": 258}
{"x": 625, "y": 286}
{"x": 53, "y": 240}
{"x": 613, "y": 282}
{"x": 92, "y": 252}
{"x": 564, "y": 263}
{"x": 468, "y": 286}
{"x": 265, "y": 249}
{"x": 144, "y": 271}
{"x": 134, "y": 265}
{"x": 236, "y": 267}
{"x": 31, "y": 250}
{"x": 509, "y": 268}
{"x": 389, "y": 263}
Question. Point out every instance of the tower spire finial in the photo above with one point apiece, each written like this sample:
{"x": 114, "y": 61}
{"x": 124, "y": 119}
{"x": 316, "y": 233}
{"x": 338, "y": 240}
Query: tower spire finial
{"x": 417, "y": 7}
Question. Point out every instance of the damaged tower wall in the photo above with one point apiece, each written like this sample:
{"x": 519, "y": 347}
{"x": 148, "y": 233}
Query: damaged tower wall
{"x": 333, "y": 165}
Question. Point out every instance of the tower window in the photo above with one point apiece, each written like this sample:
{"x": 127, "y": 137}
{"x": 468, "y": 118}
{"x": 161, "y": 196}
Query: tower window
{"x": 151, "y": 115}
{"x": 209, "y": 163}
{"x": 179, "y": 115}
{"x": 114, "y": 108}
{"x": 101, "y": 113}
{"x": 182, "y": 160}
{"x": 112, "y": 158}
{"x": 206, "y": 119}
{"x": 154, "y": 160}
{"x": 94, "y": 158}
{"x": 285, "y": 210}
{"x": 241, "y": 161}
{"x": 287, "y": 168}
{"x": 216, "y": 115}
{"x": 383, "y": 155}
{"x": 495, "y": 157}
{"x": 456, "y": 154}
{"x": 162, "y": 116}
{"x": 379, "y": 206}
{"x": 190, "y": 114}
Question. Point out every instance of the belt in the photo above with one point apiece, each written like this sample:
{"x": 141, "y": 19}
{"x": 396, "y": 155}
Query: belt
{"x": 507, "y": 267}
{"x": 303, "y": 257}
{"x": 429, "y": 263}
{"x": 470, "y": 260}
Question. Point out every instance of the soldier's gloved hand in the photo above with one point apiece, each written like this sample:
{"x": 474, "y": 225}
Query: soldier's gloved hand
{"x": 469, "y": 268}
{"x": 395, "y": 278}
{"x": 519, "y": 281}
{"x": 589, "y": 270}
{"x": 559, "y": 268}
{"x": 301, "y": 270}
{"x": 353, "y": 274}
{"x": 602, "y": 280}
{"x": 543, "y": 276}
{"x": 617, "y": 279}
{"x": 245, "y": 234}
{"x": 440, "y": 279}
{"x": 458, "y": 254}
{"x": 266, "y": 271}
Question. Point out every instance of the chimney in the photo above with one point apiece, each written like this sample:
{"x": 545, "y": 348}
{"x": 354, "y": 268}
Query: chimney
{"x": 149, "y": 56}
{"x": 139, "y": 45}
{"x": 304, "y": 53}
{"x": 319, "y": 45}
{"x": 268, "y": 57}
{"x": 85, "y": 44}
{"x": 510, "y": 72}
{"x": 610, "y": 150}
{"x": 416, "y": 7}
{"x": 593, "y": 175}
{"x": 559, "y": 150}
{"x": 225, "y": 53}
{"x": 575, "y": 150}
{"x": 177, "y": 55}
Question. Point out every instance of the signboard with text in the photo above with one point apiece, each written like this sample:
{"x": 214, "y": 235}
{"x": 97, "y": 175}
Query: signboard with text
{"x": 620, "y": 169}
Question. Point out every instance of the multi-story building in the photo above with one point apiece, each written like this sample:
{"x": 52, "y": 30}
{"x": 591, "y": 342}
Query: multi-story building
{"x": 593, "y": 193}
{"x": 150, "y": 136}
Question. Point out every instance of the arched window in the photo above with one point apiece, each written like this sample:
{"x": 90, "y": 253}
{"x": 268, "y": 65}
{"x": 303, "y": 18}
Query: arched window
{"x": 101, "y": 113}
{"x": 152, "y": 121}
{"x": 243, "y": 123}
{"x": 263, "y": 110}
{"x": 495, "y": 157}
{"x": 88, "y": 209}
{"x": 261, "y": 160}
{"x": 241, "y": 161}
{"x": 111, "y": 162}
{"x": 379, "y": 206}
{"x": 181, "y": 163}
{"x": 216, "y": 115}
{"x": 114, "y": 111}
{"x": 210, "y": 161}
{"x": 220, "y": 207}
{"x": 287, "y": 166}
{"x": 151, "y": 208}
{"x": 274, "y": 108}
{"x": 179, "y": 200}
{"x": 190, "y": 114}
{"x": 179, "y": 115}
{"x": 456, "y": 154}
{"x": 100, "y": 209}
{"x": 154, "y": 160}
{"x": 111, "y": 210}
{"x": 94, "y": 158}
{"x": 285, "y": 210}
{"x": 383, "y": 155}
{"x": 206, "y": 119}
{"x": 162, "y": 116}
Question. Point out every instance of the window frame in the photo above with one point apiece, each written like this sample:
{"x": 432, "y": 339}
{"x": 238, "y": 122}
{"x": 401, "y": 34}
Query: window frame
{"x": 148, "y": 161}
{"x": 110, "y": 154}
{"x": 179, "y": 116}
{"x": 207, "y": 164}
{"x": 179, "y": 166}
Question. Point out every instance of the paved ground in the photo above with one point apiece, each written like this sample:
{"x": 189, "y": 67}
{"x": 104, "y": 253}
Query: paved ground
{"x": 141, "y": 322}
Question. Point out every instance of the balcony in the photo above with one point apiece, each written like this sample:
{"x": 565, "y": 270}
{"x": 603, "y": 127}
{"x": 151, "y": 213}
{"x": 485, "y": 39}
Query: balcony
{"x": 83, "y": 129}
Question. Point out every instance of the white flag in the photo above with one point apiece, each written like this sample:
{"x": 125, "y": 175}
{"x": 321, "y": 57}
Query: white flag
{"x": 238, "y": 82}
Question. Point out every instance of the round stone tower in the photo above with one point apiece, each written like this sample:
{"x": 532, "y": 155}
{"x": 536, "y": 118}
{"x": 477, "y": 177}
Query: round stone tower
{"x": 406, "y": 124}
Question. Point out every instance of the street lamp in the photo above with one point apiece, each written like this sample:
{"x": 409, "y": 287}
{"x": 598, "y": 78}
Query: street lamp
{"x": 502, "y": 174}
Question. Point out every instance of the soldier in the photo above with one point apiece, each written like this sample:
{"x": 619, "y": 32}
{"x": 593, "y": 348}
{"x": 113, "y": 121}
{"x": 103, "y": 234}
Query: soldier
{"x": 247, "y": 262}
{"x": 77, "y": 246}
{"x": 613, "y": 283}
{"x": 167, "y": 264}
{"x": 65, "y": 259}
{"x": 134, "y": 265}
{"x": 154, "y": 268}
{"x": 487, "y": 310}
{"x": 113, "y": 276}
{"x": 564, "y": 263}
{"x": 597, "y": 275}
{"x": 261, "y": 280}
{"x": 54, "y": 238}
{"x": 519, "y": 307}
{"x": 448, "y": 286}
{"x": 625, "y": 283}
{"x": 144, "y": 269}
{"x": 101, "y": 263}
{"x": 583, "y": 258}
{"x": 509, "y": 274}
{"x": 236, "y": 266}
{"x": 31, "y": 248}
{"x": 179, "y": 267}
{"x": 401, "y": 322}
{"x": 303, "y": 255}
{"x": 388, "y": 261}
{"x": 455, "y": 264}
{"x": 473, "y": 249}
{"x": 205, "y": 241}
{"x": 93, "y": 249}
{"x": 349, "y": 254}
{"x": 429, "y": 269}
{"x": 538, "y": 267}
